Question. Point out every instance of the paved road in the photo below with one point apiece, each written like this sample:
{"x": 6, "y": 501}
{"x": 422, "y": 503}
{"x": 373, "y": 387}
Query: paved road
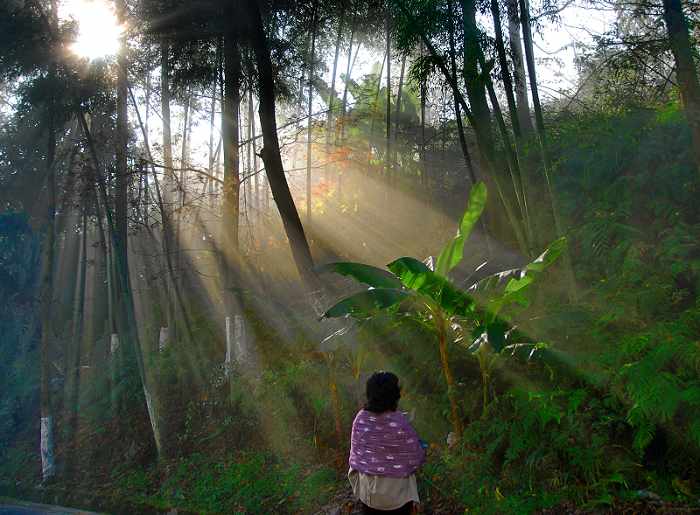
{"x": 27, "y": 508}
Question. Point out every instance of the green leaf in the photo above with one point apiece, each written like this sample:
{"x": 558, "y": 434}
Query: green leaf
{"x": 367, "y": 303}
{"x": 495, "y": 333}
{"x": 366, "y": 274}
{"x": 518, "y": 280}
{"x": 549, "y": 256}
{"x": 415, "y": 275}
{"x": 410, "y": 271}
{"x": 453, "y": 252}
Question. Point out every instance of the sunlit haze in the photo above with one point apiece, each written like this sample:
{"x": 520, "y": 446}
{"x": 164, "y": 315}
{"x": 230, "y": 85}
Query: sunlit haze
{"x": 98, "y": 29}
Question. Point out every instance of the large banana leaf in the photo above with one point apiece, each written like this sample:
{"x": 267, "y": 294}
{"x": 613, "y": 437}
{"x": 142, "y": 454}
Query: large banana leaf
{"x": 410, "y": 271}
{"x": 453, "y": 252}
{"x": 367, "y": 303}
{"x": 415, "y": 275}
{"x": 366, "y": 274}
{"x": 515, "y": 282}
{"x": 517, "y": 278}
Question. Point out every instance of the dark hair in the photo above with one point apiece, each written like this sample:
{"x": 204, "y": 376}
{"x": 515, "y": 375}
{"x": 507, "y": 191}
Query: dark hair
{"x": 383, "y": 392}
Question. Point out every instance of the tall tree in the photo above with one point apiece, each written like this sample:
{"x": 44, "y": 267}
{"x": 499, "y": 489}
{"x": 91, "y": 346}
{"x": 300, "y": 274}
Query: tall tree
{"x": 48, "y": 469}
{"x": 122, "y": 173}
{"x": 270, "y": 152}
{"x": 458, "y": 114}
{"x": 474, "y": 80}
{"x": 348, "y": 72}
{"x": 230, "y": 132}
{"x": 46, "y": 296}
{"x": 519, "y": 78}
{"x": 387, "y": 158}
{"x": 309, "y": 120}
{"x": 503, "y": 64}
{"x": 686, "y": 72}
{"x": 332, "y": 95}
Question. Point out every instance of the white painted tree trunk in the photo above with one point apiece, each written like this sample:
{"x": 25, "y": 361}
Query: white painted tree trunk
{"x": 113, "y": 344}
{"x": 239, "y": 338}
{"x": 229, "y": 347}
{"x": 152, "y": 415}
{"x": 238, "y": 349}
{"x": 113, "y": 347}
{"x": 48, "y": 467}
{"x": 163, "y": 337}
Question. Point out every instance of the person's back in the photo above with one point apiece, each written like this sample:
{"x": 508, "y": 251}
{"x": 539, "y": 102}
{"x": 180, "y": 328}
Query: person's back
{"x": 385, "y": 451}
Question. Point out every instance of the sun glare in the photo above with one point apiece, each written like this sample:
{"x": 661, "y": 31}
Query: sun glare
{"x": 98, "y": 29}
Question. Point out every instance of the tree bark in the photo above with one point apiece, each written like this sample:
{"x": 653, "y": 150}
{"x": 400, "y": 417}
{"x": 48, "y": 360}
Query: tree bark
{"x": 252, "y": 168}
{"x": 458, "y": 114}
{"x": 397, "y": 108}
{"x": 182, "y": 191}
{"x": 331, "y": 96}
{"x": 47, "y": 431}
{"x": 519, "y": 80}
{"x": 348, "y": 71}
{"x": 260, "y": 189}
{"x": 542, "y": 136}
{"x": 230, "y": 135}
{"x": 387, "y": 157}
{"x": 423, "y": 94}
{"x": 686, "y": 73}
{"x": 270, "y": 153}
{"x": 77, "y": 336}
{"x": 505, "y": 74}
{"x": 309, "y": 120}
{"x": 476, "y": 92}
{"x": 212, "y": 116}
{"x": 169, "y": 179}
{"x": 375, "y": 115}
{"x": 122, "y": 172}
{"x": 130, "y": 346}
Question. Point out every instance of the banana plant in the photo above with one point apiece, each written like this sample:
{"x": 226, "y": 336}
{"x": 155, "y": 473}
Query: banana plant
{"x": 451, "y": 312}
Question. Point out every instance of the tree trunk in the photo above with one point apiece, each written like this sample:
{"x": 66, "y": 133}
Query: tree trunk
{"x": 423, "y": 94}
{"x": 212, "y": 116}
{"x": 271, "y": 151}
{"x": 169, "y": 178}
{"x": 230, "y": 135}
{"x": 309, "y": 119}
{"x": 387, "y": 157}
{"x": 180, "y": 239}
{"x": 532, "y": 73}
{"x": 519, "y": 80}
{"x": 122, "y": 172}
{"x": 458, "y": 114}
{"x": 331, "y": 96}
{"x": 542, "y": 136}
{"x": 46, "y": 442}
{"x": 260, "y": 186}
{"x": 682, "y": 48}
{"x": 375, "y": 115}
{"x": 474, "y": 83}
{"x": 130, "y": 347}
{"x": 505, "y": 74}
{"x": 539, "y": 119}
{"x": 397, "y": 108}
{"x": 348, "y": 72}
{"x": 77, "y": 337}
{"x": 251, "y": 168}
{"x": 47, "y": 430}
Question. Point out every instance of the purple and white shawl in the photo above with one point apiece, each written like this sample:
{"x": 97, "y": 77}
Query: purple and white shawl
{"x": 385, "y": 445}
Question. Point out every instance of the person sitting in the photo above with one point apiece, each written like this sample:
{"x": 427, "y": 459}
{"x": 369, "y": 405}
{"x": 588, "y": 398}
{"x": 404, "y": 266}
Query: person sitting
{"x": 385, "y": 451}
